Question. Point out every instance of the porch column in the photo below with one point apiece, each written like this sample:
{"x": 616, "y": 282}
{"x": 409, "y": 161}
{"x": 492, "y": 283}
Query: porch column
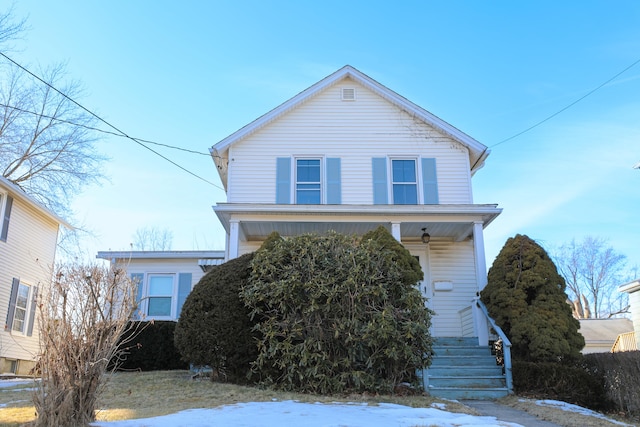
{"x": 234, "y": 238}
{"x": 395, "y": 231}
{"x": 481, "y": 326}
{"x": 481, "y": 263}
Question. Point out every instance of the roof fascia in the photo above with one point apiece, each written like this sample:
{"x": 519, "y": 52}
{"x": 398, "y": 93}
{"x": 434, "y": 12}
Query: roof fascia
{"x": 19, "y": 193}
{"x": 479, "y": 150}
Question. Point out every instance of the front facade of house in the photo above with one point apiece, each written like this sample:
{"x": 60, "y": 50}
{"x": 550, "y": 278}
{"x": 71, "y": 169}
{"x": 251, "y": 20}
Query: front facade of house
{"x": 164, "y": 278}
{"x": 28, "y": 238}
{"x": 349, "y": 155}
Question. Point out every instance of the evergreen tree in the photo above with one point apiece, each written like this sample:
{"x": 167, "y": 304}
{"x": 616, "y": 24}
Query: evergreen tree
{"x": 526, "y": 297}
{"x": 214, "y": 328}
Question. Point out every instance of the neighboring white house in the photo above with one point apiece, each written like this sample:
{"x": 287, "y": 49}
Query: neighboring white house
{"x": 348, "y": 154}
{"x": 600, "y": 335}
{"x": 633, "y": 289}
{"x": 164, "y": 278}
{"x": 28, "y": 239}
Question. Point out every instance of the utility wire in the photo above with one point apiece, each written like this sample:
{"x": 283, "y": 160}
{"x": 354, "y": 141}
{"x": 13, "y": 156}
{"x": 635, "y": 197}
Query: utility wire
{"x": 120, "y": 132}
{"x": 567, "y": 107}
{"x": 102, "y": 130}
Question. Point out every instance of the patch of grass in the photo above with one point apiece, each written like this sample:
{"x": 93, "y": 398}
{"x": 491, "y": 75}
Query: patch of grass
{"x": 130, "y": 395}
{"x": 559, "y": 416}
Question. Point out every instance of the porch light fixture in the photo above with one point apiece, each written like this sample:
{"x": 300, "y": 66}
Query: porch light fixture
{"x": 426, "y": 237}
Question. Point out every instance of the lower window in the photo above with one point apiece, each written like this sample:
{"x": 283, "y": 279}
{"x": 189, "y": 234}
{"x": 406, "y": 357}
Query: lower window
{"x": 160, "y": 294}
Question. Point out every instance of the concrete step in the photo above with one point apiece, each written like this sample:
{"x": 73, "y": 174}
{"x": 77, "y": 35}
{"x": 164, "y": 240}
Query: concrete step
{"x": 455, "y": 341}
{"x": 471, "y": 382}
{"x": 463, "y": 361}
{"x": 455, "y": 393}
{"x": 465, "y": 371}
{"x": 461, "y": 369}
{"x": 462, "y": 350}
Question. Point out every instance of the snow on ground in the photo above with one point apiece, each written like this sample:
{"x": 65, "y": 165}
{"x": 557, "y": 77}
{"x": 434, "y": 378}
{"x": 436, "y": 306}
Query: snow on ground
{"x": 295, "y": 414}
{"x": 15, "y": 382}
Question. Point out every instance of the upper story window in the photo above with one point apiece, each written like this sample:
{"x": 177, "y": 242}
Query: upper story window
{"x": 404, "y": 182}
{"x": 308, "y": 182}
{"x": 5, "y": 214}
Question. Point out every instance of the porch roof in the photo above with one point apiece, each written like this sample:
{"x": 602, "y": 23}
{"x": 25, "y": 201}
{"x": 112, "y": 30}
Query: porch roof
{"x": 257, "y": 221}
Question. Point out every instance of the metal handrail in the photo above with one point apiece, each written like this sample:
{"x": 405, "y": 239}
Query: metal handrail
{"x": 506, "y": 344}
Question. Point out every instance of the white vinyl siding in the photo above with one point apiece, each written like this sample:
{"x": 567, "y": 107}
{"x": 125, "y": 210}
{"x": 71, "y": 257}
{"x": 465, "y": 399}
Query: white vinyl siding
{"x": 355, "y": 132}
{"x": 27, "y": 254}
{"x": 147, "y": 270}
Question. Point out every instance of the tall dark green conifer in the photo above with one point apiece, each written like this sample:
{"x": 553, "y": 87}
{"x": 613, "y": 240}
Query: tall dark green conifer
{"x": 526, "y": 297}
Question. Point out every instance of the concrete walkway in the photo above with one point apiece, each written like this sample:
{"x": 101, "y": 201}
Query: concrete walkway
{"x": 507, "y": 413}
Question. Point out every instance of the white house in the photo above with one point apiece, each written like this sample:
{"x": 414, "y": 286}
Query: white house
{"x": 633, "y": 289}
{"x": 348, "y": 154}
{"x": 28, "y": 239}
{"x": 164, "y": 278}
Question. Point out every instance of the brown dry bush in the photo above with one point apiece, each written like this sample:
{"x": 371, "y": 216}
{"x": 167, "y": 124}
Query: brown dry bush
{"x": 621, "y": 372}
{"x": 82, "y": 316}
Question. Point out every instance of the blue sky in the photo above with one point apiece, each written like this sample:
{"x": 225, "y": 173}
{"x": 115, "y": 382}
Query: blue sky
{"x": 190, "y": 73}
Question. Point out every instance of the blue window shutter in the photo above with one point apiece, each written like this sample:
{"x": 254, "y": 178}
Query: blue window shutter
{"x": 5, "y": 220}
{"x": 334, "y": 185}
{"x": 12, "y": 304}
{"x": 429, "y": 182}
{"x": 138, "y": 279}
{"x": 184, "y": 288}
{"x": 380, "y": 186}
{"x": 32, "y": 313}
{"x": 283, "y": 180}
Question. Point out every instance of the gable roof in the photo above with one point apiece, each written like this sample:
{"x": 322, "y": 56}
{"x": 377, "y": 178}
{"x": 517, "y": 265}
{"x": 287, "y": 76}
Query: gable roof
{"x": 477, "y": 151}
{"x": 17, "y": 193}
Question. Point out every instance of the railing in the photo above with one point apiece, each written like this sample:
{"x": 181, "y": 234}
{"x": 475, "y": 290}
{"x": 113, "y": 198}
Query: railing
{"x": 625, "y": 342}
{"x": 506, "y": 344}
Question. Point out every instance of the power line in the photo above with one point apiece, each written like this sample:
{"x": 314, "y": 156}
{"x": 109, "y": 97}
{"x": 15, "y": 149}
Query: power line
{"x": 22, "y": 110}
{"x": 567, "y": 107}
{"x": 119, "y": 132}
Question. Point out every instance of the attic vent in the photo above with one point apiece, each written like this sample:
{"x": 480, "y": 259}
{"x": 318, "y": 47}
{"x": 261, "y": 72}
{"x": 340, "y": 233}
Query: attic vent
{"x": 348, "y": 94}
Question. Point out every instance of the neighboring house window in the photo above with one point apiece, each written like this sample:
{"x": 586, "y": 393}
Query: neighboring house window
{"x": 308, "y": 182}
{"x": 6, "y": 202}
{"x": 161, "y": 290}
{"x": 161, "y": 296}
{"x": 22, "y": 307}
{"x": 22, "y": 304}
{"x": 404, "y": 182}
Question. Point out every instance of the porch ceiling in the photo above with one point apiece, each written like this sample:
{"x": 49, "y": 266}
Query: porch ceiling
{"x": 256, "y": 222}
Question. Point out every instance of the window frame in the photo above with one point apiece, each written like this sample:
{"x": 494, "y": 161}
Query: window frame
{"x": 416, "y": 183}
{"x": 4, "y": 228}
{"x": 26, "y": 309}
{"x": 173, "y": 296}
{"x": 320, "y": 183}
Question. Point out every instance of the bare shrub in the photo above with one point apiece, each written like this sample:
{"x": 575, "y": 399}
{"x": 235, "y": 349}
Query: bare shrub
{"x": 82, "y": 317}
{"x": 621, "y": 372}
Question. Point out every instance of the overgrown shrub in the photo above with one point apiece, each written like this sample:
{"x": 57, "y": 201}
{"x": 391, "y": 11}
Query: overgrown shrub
{"x": 621, "y": 372}
{"x": 152, "y": 349}
{"x": 526, "y": 297}
{"x": 333, "y": 314}
{"x": 574, "y": 383}
{"x": 214, "y": 328}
